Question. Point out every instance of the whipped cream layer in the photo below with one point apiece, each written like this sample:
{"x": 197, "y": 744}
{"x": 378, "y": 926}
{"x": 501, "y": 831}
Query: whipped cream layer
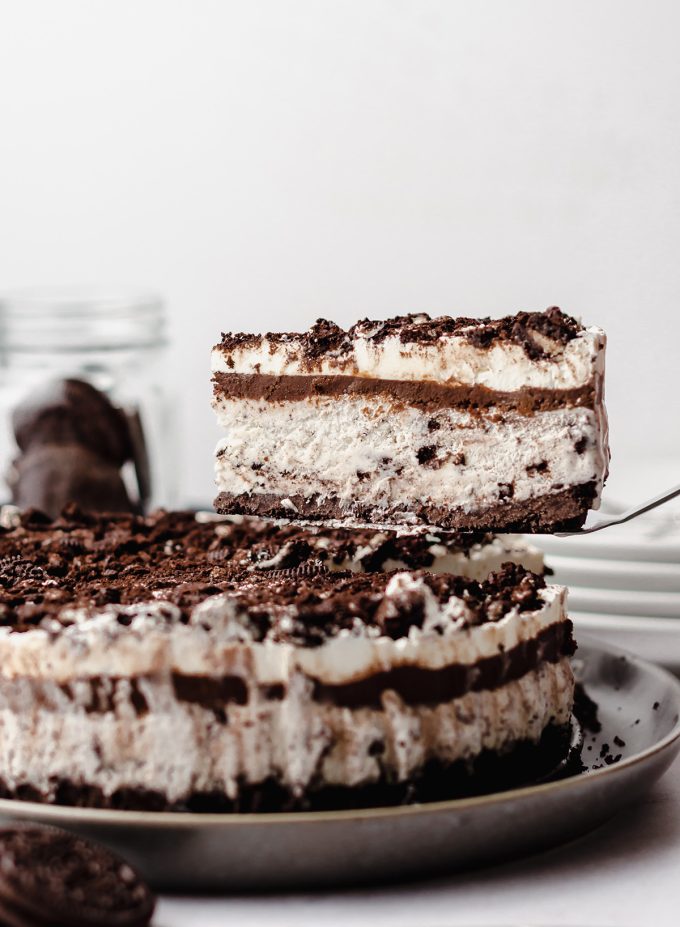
{"x": 151, "y": 639}
{"x": 365, "y": 452}
{"x": 370, "y": 350}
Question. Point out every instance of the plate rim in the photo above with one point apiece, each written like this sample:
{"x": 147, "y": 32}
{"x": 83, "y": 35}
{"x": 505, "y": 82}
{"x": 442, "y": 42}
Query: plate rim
{"x": 614, "y": 565}
{"x": 663, "y": 605}
{"x": 595, "y": 622}
{"x": 638, "y": 552}
{"x": 187, "y": 820}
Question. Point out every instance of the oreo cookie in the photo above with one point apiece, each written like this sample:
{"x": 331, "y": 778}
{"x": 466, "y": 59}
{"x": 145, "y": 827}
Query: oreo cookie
{"x": 73, "y": 443}
{"x": 50, "y": 877}
{"x": 73, "y": 411}
{"x": 303, "y": 571}
{"x": 48, "y": 477}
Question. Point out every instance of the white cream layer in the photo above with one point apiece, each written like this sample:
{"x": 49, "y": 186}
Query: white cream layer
{"x": 450, "y": 359}
{"x": 323, "y": 446}
{"x": 179, "y": 748}
{"x": 218, "y": 642}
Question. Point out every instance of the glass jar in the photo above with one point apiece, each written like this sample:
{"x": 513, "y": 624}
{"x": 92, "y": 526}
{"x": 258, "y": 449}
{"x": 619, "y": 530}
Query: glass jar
{"x": 60, "y": 350}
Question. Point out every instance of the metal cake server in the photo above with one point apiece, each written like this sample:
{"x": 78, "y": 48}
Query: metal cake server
{"x": 608, "y": 522}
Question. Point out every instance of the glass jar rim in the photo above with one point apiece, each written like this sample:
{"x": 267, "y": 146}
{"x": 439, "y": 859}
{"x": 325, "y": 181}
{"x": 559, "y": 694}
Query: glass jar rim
{"x": 81, "y": 319}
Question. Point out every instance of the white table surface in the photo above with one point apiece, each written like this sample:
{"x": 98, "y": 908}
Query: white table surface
{"x": 625, "y": 874}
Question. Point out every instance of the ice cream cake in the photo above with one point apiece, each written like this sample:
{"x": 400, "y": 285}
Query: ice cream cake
{"x": 142, "y": 666}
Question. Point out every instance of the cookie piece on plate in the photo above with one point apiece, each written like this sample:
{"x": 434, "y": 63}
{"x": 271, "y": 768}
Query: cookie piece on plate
{"x": 49, "y": 876}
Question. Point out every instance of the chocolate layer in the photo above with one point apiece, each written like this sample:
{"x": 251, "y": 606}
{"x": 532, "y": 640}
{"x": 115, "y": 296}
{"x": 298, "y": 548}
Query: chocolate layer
{"x": 104, "y": 693}
{"x": 207, "y": 691}
{"x": 418, "y": 686}
{"x": 423, "y": 394}
{"x": 523, "y": 763}
{"x": 562, "y": 510}
{"x": 415, "y": 685}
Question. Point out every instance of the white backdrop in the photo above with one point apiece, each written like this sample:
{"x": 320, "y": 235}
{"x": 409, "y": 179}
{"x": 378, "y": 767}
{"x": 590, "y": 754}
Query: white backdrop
{"x": 264, "y": 163}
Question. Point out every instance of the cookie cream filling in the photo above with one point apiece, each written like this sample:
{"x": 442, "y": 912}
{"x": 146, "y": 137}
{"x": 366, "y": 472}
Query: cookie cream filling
{"x": 179, "y": 748}
{"x": 364, "y": 451}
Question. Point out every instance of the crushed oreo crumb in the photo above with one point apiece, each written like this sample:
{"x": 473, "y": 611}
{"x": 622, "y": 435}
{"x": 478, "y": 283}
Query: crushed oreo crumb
{"x": 426, "y": 454}
{"x": 85, "y": 561}
{"x": 78, "y": 561}
{"x": 586, "y": 710}
{"x": 526, "y": 329}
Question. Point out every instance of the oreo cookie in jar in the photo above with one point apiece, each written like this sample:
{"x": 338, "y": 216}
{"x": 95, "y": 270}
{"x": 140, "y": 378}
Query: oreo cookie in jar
{"x": 85, "y": 401}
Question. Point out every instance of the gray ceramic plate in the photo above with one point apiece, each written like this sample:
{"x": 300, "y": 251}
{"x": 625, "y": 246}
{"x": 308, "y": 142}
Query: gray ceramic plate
{"x": 639, "y": 704}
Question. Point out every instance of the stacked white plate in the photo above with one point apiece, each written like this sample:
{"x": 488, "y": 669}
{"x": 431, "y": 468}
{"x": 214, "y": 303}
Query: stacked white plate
{"x": 624, "y": 582}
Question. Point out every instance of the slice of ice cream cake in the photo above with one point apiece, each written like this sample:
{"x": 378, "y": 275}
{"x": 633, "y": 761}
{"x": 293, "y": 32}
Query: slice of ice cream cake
{"x": 466, "y": 424}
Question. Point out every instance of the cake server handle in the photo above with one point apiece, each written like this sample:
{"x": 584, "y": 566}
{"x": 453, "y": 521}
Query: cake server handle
{"x": 625, "y": 516}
